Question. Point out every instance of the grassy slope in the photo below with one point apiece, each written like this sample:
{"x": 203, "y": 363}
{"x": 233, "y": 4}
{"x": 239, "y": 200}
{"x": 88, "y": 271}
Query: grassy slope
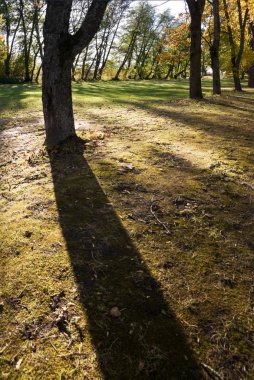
{"x": 168, "y": 240}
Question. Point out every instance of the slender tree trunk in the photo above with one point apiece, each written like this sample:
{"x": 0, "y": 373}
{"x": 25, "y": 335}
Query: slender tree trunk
{"x": 105, "y": 57}
{"x": 169, "y": 72}
{"x": 215, "y": 49}
{"x": 84, "y": 64}
{"x": 7, "y": 61}
{"x": 34, "y": 64}
{"x": 196, "y": 8}
{"x": 74, "y": 68}
{"x": 25, "y": 42}
{"x": 89, "y": 69}
{"x": 38, "y": 74}
{"x": 127, "y": 56}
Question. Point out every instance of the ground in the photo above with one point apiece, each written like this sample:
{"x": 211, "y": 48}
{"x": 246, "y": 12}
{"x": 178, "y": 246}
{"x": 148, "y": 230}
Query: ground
{"x": 128, "y": 254}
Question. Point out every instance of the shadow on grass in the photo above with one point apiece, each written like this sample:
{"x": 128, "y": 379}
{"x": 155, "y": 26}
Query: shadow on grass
{"x": 145, "y": 341}
{"x": 12, "y": 97}
{"x": 219, "y": 126}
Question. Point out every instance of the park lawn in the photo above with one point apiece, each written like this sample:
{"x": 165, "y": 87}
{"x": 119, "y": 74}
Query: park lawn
{"x": 128, "y": 255}
{"x": 19, "y": 97}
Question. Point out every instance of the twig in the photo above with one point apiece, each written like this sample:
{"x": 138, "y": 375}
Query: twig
{"x": 211, "y": 372}
{"x": 4, "y": 348}
{"x": 54, "y": 347}
{"x": 158, "y": 220}
{"x": 72, "y": 354}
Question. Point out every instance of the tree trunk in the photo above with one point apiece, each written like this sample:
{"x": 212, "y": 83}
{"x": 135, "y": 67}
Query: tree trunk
{"x": 215, "y": 48}
{"x": 7, "y": 61}
{"x": 236, "y": 76}
{"x": 251, "y": 77}
{"x": 37, "y": 75}
{"x": 128, "y": 55}
{"x": 196, "y": 9}
{"x": 57, "y": 100}
{"x": 169, "y": 72}
{"x": 251, "y": 69}
{"x": 60, "y": 50}
{"x": 56, "y": 78}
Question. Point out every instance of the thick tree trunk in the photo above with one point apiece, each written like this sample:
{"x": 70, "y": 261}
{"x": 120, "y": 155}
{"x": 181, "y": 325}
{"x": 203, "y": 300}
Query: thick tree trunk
{"x": 57, "y": 101}
{"x": 195, "y": 58}
{"x": 56, "y": 78}
{"x": 215, "y": 49}
{"x": 60, "y": 50}
{"x": 196, "y": 9}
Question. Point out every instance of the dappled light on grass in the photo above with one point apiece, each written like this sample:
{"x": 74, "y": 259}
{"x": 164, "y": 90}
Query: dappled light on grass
{"x": 152, "y": 225}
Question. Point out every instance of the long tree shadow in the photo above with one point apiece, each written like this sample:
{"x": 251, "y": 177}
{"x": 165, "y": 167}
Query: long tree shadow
{"x": 141, "y": 338}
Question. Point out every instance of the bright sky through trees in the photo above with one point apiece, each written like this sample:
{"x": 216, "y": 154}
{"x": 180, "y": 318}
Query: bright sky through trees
{"x": 176, "y": 6}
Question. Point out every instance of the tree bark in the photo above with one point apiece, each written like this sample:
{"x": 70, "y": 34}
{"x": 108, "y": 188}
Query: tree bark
{"x": 251, "y": 69}
{"x": 196, "y": 8}
{"x": 215, "y": 49}
{"x": 60, "y": 51}
{"x": 251, "y": 77}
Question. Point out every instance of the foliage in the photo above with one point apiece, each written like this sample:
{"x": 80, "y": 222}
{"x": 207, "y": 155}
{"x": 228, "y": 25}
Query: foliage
{"x": 135, "y": 40}
{"x": 176, "y": 44}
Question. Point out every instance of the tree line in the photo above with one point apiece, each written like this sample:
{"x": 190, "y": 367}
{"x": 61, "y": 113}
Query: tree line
{"x": 136, "y": 42}
{"x": 92, "y": 39}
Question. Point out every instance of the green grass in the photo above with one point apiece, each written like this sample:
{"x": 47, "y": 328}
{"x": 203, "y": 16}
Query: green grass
{"x": 154, "y": 217}
{"x": 20, "y": 97}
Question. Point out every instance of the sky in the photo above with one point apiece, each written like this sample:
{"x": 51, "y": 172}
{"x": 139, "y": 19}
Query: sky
{"x": 176, "y": 6}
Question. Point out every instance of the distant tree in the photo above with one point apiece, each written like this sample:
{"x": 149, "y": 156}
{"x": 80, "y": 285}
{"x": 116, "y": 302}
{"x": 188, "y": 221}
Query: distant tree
{"x": 2, "y": 49}
{"x": 236, "y": 17}
{"x": 215, "y": 48}
{"x": 251, "y": 68}
{"x": 140, "y": 42}
{"x": 11, "y": 22}
{"x": 176, "y": 51}
{"x": 60, "y": 50}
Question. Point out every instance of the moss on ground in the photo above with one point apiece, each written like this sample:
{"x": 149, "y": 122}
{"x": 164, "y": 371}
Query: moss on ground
{"x": 153, "y": 215}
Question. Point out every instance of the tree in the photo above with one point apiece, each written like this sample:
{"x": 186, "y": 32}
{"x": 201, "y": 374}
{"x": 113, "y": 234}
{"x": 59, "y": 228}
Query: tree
{"x": 60, "y": 51}
{"x": 251, "y": 68}
{"x": 176, "y": 51}
{"x": 196, "y": 8}
{"x": 215, "y": 48}
{"x": 11, "y": 20}
{"x": 236, "y": 15}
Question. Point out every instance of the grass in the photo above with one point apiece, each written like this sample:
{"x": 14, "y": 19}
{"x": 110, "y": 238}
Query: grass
{"x": 153, "y": 215}
{"x": 28, "y": 96}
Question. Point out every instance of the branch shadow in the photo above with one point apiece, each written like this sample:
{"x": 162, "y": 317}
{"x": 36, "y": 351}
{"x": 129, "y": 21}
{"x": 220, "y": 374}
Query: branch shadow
{"x": 146, "y": 341}
{"x": 199, "y": 122}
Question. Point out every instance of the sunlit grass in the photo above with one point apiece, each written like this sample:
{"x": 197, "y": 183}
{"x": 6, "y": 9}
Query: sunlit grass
{"x": 19, "y": 97}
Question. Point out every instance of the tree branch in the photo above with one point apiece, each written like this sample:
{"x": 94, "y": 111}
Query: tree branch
{"x": 89, "y": 26}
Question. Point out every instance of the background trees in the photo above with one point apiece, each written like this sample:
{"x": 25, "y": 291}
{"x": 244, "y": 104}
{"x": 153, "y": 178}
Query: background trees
{"x": 136, "y": 40}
